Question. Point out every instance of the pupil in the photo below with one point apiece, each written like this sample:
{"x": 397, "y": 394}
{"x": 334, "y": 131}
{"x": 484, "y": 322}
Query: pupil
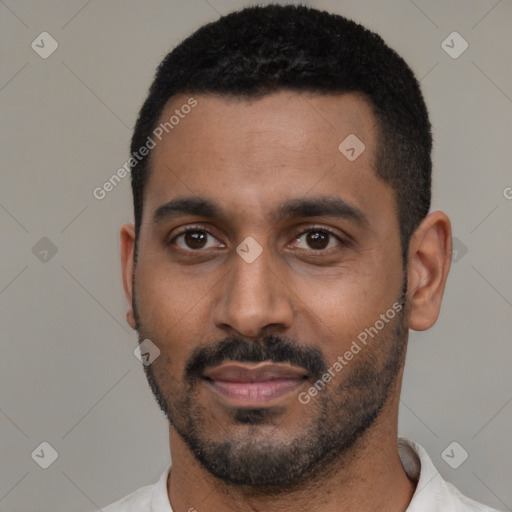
{"x": 195, "y": 239}
{"x": 317, "y": 240}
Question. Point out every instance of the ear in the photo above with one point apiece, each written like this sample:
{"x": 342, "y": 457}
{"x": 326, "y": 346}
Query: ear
{"x": 127, "y": 235}
{"x": 430, "y": 256}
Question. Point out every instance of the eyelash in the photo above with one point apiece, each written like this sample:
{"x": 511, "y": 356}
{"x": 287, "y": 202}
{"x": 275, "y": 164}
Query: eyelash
{"x": 308, "y": 229}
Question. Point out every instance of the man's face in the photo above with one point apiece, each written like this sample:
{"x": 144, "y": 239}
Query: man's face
{"x": 243, "y": 338}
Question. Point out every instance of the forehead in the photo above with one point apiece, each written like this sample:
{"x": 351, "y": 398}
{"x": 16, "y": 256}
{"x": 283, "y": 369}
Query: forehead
{"x": 250, "y": 154}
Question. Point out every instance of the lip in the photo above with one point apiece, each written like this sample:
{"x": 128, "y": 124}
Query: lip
{"x": 254, "y": 372}
{"x": 254, "y": 384}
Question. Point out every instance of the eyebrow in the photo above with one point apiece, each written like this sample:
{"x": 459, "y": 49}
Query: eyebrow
{"x": 320, "y": 207}
{"x": 197, "y": 206}
{"x": 323, "y": 206}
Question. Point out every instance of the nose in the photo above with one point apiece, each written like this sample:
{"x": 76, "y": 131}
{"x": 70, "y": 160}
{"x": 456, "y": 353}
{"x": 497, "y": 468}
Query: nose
{"x": 252, "y": 299}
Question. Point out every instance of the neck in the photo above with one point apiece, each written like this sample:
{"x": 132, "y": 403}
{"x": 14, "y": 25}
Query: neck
{"x": 368, "y": 477}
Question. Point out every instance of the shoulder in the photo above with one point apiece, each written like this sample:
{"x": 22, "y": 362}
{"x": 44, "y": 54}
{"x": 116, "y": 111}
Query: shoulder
{"x": 150, "y": 498}
{"x": 139, "y": 500}
{"x": 465, "y": 504}
{"x": 433, "y": 493}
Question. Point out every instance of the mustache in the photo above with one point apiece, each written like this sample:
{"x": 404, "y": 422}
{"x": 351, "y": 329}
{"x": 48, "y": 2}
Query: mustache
{"x": 269, "y": 348}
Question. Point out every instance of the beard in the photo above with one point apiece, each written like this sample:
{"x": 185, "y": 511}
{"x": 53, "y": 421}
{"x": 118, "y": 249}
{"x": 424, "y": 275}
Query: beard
{"x": 253, "y": 451}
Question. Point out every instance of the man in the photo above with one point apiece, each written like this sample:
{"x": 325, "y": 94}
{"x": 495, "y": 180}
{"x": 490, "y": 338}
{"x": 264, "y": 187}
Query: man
{"x": 281, "y": 250}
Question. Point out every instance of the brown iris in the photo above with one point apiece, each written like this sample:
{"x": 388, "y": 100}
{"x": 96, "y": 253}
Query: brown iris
{"x": 317, "y": 239}
{"x": 195, "y": 239}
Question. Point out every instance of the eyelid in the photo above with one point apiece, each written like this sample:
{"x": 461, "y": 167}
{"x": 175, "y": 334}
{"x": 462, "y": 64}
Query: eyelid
{"x": 345, "y": 240}
{"x": 305, "y": 229}
{"x": 186, "y": 229}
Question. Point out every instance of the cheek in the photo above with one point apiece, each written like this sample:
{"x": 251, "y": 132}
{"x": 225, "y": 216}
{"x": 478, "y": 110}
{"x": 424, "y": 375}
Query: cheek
{"x": 173, "y": 309}
{"x": 352, "y": 294}
{"x": 168, "y": 292}
{"x": 334, "y": 310}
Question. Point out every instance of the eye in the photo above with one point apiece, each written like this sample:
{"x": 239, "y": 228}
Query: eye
{"x": 195, "y": 239}
{"x": 318, "y": 239}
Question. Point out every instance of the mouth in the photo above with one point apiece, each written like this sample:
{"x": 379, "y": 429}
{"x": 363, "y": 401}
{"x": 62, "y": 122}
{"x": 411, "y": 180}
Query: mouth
{"x": 254, "y": 384}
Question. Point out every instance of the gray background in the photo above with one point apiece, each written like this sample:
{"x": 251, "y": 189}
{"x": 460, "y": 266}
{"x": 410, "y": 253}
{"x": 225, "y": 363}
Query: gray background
{"x": 68, "y": 375}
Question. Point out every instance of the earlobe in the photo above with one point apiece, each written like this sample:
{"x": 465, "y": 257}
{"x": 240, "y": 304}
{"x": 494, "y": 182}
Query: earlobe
{"x": 429, "y": 262}
{"x": 127, "y": 236}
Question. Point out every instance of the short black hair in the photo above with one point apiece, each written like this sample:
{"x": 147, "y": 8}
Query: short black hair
{"x": 264, "y": 49}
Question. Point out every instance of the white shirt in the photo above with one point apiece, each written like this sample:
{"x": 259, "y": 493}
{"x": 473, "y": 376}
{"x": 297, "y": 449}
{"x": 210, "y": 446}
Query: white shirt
{"x": 433, "y": 494}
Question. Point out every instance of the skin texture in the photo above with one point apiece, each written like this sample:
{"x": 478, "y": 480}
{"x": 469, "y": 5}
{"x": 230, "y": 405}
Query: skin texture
{"x": 249, "y": 157}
